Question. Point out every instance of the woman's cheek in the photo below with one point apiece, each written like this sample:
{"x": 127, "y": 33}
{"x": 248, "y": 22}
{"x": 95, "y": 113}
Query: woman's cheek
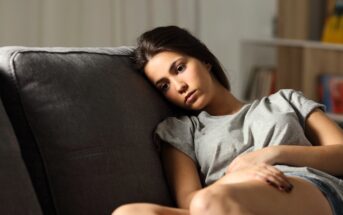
{"x": 174, "y": 99}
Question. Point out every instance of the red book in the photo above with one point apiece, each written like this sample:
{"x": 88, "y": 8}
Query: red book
{"x": 330, "y": 91}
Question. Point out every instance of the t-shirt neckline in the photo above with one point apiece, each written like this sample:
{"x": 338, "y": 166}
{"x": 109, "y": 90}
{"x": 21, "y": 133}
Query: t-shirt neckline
{"x": 208, "y": 115}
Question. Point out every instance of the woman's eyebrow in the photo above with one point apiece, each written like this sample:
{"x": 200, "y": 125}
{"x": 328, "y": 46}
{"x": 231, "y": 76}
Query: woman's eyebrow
{"x": 172, "y": 66}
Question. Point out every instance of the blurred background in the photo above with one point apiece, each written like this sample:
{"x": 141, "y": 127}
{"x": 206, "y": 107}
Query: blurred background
{"x": 83, "y": 23}
{"x": 264, "y": 45}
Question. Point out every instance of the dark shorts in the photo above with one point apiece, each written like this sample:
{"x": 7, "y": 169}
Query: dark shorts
{"x": 331, "y": 195}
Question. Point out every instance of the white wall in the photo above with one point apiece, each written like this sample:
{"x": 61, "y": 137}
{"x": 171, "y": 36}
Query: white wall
{"x": 89, "y": 22}
{"x": 219, "y": 23}
{"x": 225, "y": 22}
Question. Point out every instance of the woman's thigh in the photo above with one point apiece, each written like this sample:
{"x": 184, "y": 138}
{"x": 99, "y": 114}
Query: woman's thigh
{"x": 148, "y": 209}
{"x": 260, "y": 198}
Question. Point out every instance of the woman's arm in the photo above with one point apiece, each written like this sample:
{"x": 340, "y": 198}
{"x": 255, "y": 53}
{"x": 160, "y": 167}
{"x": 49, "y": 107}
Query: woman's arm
{"x": 182, "y": 175}
{"x": 327, "y": 153}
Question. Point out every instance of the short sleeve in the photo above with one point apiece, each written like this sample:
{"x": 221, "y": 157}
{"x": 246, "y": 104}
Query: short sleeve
{"x": 179, "y": 133}
{"x": 301, "y": 105}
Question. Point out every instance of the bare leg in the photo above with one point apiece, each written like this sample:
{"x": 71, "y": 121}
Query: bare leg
{"x": 148, "y": 209}
{"x": 258, "y": 198}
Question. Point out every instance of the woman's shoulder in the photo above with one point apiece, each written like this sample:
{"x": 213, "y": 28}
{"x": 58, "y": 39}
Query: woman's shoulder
{"x": 283, "y": 100}
{"x": 181, "y": 119}
{"x": 293, "y": 97}
{"x": 286, "y": 94}
{"x": 178, "y": 123}
{"x": 288, "y": 97}
{"x": 179, "y": 132}
{"x": 293, "y": 100}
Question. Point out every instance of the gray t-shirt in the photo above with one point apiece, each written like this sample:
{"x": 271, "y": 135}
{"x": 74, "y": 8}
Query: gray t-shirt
{"x": 214, "y": 141}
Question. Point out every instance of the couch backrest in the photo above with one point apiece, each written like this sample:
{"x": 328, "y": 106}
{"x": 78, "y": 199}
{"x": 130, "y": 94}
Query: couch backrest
{"x": 84, "y": 120}
{"x": 16, "y": 192}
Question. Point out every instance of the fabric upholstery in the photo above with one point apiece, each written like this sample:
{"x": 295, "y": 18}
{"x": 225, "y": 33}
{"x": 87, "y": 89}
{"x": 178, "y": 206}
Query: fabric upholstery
{"x": 84, "y": 120}
{"x": 17, "y": 194}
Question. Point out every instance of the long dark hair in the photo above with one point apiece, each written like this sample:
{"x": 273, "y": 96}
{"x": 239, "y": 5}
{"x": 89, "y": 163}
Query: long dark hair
{"x": 176, "y": 39}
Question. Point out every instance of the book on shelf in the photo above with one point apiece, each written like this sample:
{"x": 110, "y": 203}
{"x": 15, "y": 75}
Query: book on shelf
{"x": 330, "y": 91}
{"x": 333, "y": 28}
{"x": 262, "y": 82}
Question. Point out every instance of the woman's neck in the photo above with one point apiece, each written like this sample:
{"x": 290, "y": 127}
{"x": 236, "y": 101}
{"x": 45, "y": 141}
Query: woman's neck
{"x": 223, "y": 103}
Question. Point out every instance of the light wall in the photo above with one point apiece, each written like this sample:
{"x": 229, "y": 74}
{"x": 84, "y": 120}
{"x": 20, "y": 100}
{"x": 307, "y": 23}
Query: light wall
{"x": 224, "y": 23}
{"x": 221, "y": 24}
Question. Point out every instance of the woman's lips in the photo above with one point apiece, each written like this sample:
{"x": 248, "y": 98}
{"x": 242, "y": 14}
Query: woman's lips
{"x": 191, "y": 97}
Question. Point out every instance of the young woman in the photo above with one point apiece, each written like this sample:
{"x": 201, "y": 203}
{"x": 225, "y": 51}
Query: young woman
{"x": 278, "y": 155}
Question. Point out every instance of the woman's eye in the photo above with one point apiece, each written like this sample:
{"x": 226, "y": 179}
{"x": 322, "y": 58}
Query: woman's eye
{"x": 180, "y": 68}
{"x": 164, "y": 87}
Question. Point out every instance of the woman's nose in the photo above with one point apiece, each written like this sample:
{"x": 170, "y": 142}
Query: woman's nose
{"x": 180, "y": 86}
{"x": 183, "y": 88}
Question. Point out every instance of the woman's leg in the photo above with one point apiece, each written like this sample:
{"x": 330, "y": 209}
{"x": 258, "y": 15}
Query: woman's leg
{"x": 148, "y": 209}
{"x": 258, "y": 198}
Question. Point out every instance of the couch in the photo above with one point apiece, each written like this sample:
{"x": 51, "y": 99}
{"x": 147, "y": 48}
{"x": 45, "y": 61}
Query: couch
{"x": 76, "y": 129}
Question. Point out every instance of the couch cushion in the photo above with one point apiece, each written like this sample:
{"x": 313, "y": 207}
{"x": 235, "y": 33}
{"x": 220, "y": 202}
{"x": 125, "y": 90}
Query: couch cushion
{"x": 17, "y": 195}
{"x": 84, "y": 120}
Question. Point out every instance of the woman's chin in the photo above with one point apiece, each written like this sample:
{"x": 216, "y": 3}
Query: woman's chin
{"x": 198, "y": 105}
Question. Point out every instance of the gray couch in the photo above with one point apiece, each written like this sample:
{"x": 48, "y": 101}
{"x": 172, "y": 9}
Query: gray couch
{"x": 76, "y": 130}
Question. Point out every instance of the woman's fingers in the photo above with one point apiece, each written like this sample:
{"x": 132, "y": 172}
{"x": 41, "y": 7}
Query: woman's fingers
{"x": 279, "y": 183}
{"x": 281, "y": 178}
{"x": 274, "y": 177}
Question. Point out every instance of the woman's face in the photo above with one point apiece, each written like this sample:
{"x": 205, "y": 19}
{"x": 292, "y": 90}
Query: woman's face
{"x": 183, "y": 80}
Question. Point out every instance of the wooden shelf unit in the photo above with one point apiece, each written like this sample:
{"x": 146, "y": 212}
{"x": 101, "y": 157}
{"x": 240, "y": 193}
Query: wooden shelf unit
{"x": 300, "y": 62}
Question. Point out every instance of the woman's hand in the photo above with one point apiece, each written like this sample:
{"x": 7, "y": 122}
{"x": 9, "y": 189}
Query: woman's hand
{"x": 266, "y": 155}
{"x": 262, "y": 172}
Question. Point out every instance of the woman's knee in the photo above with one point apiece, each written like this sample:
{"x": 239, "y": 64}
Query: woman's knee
{"x": 202, "y": 201}
{"x": 133, "y": 209}
{"x": 217, "y": 200}
{"x": 124, "y": 210}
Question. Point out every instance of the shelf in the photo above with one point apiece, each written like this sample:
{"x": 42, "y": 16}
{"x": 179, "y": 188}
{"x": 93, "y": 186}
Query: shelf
{"x": 299, "y": 62}
{"x": 295, "y": 43}
{"x": 335, "y": 117}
